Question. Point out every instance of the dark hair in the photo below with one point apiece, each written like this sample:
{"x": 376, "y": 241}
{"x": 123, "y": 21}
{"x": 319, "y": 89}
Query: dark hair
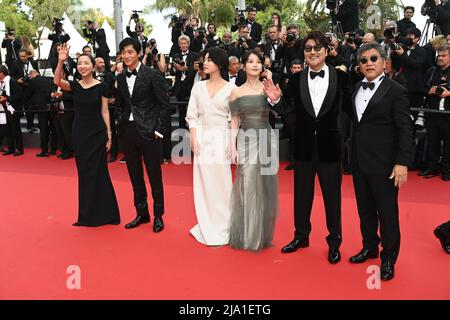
{"x": 292, "y": 26}
{"x": 86, "y": 46}
{"x": 218, "y": 56}
{"x": 279, "y": 20}
{"x": 247, "y": 55}
{"x": 370, "y": 46}
{"x": 23, "y": 50}
{"x": 318, "y": 37}
{"x": 296, "y": 61}
{"x": 251, "y": 9}
{"x": 415, "y": 31}
{"x": 196, "y": 19}
{"x": 4, "y": 70}
{"x": 91, "y": 58}
{"x": 409, "y": 8}
{"x": 130, "y": 41}
{"x": 242, "y": 26}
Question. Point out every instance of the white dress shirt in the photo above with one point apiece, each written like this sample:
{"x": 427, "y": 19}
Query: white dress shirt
{"x": 363, "y": 96}
{"x": 318, "y": 88}
{"x": 232, "y": 78}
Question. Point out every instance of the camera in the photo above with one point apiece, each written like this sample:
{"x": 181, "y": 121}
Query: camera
{"x": 178, "y": 21}
{"x": 351, "y": 38}
{"x": 330, "y": 36}
{"x": 201, "y": 33}
{"x": 152, "y": 42}
{"x": 332, "y": 4}
{"x": 10, "y": 32}
{"x": 439, "y": 90}
{"x": 394, "y": 46}
{"x": 429, "y": 9}
{"x": 420, "y": 121}
{"x": 290, "y": 37}
{"x": 57, "y": 21}
{"x": 135, "y": 15}
{"x": 241, "y": 40}
{"x": 178, "y": 61}
{"x": 240, "y": 16}
{"x": 154, "y": 51}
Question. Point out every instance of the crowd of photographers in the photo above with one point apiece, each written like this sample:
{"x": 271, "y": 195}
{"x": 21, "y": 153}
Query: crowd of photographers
{"x": 422, "y": 69}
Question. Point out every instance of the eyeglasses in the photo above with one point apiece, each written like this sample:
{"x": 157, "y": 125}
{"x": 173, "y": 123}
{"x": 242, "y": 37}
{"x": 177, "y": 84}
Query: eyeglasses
{"x": 316, "y": 48}
{"x": 365, "y": 60}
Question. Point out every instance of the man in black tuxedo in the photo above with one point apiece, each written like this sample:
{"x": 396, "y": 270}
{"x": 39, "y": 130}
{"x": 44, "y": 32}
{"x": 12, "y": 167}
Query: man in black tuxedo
{"x": 242, "y": 44}
{"x": 98, "y": 38}
{"x": 255, "y": 29}
{"x": 382, "y": 150}
{"x": 11, "y": 97}
{"x": 144, "y": 108}
{"x": 183, "y": 69}
{"x": 38, "y": 91}
{"x": 317, "y": 94}
{"x": 235, "y": 74}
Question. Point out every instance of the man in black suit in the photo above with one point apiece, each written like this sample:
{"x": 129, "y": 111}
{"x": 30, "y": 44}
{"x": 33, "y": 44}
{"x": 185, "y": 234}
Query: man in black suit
{"x": 382, "y": 150}
{"x": 144, "y": 108}
{"x": 348, "y": 15}
{"x": 243, "y": 43}
{"x": 12, "y": 46}
{"x": 271, "y": 48}
{"x": 235, "y": 74}
{"x": 317, "y": 94}
{"x": 255, "y": 29}
{"x": 11, "y": 96}
{"x": 405, "y": 24}
{"x": 443, "y": 15}
{"x": 98, "y": 38}
{"x": 183, "y": 69}
{"x": 38, "y": 91}
{"x": 138, "y": 33}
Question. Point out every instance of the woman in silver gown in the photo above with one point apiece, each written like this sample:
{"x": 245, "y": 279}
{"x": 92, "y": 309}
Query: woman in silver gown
{"x": 254, "y": 199}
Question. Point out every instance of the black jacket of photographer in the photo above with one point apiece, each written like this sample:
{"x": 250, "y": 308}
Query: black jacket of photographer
{"x": 348, "y": 15}
{"x": 288, "y": 52}
{"x": 403, "y": 25}
{"x": 236, "y": 49}
{"x": 98, "y": 38}
{"x": 58, "y": 38}
{"x": 443, "y": 17}
{"x": 412, "y": 66}
{"x": 255, "y": 30}
{"x": 182, "y": 87}
{"x": 18, "y": 68}
{"x": 134, "y": 35}
{"x": 12, "y": 50}
{"x": 38, "y": 92}
{"x": 434, "y": 76}
{"x": 270, "y": 47}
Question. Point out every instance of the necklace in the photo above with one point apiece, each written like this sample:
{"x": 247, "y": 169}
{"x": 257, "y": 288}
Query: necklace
{"x": 254, "y": 88}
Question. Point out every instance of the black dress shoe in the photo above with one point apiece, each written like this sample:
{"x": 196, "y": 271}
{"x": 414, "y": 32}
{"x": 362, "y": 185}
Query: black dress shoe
{"x": 364, "y": 255}
{"x": 43, "y": 154}
{"x": 430, "y": 172}
{"x": 18, "y": 153}
{"x": 137, "y": 221}
{"x": 443, "y": 237}
{"x": 158, "y": 224}
{"x": 334, "y": 256}
{"x": 7, "y": 153}
{"x": 66, "y": 156}
{"x": 387, "y": 271}
{"x": 294, "y": 245}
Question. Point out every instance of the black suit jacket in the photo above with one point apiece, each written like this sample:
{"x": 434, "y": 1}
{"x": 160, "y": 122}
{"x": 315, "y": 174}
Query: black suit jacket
{"x": 16, "y": 96}
{"x": 38, "y": 92}
{"x": 384, "y": 136}
{"x": 98, "y": 37}
{"x": 443, "y": 17}
{"x": 149, "y": 103}
{"x": 324, "y": 126}
{"x": 12, "y": 50}
{"x": 413, "y": 69}
{"x": 348, "y": 15}
{"x": 134, "y": 35}
{"x": 255, "y": 32}
{"x": 403, "y": 25}
{"x": 182, "y": 89}
{"x": 240, "y": 78}
{"x": 17, "y": 69}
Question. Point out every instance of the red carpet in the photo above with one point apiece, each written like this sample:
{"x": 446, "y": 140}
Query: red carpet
{"x": 37, "y": 243}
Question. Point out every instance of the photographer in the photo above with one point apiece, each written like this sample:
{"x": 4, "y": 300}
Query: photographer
{"x": 438, "y": 125}
{"x": 97, "y": 37}
{"x": 183, "y": 69}
{"x": 290, "y": 49}
{"x": 243, "y": 43}
{"x": 347, "y": 13}
{"x": 255, "y": 29}
{"x": 271, "y": 48}
{"x": 179, "y": 28}
{"x": 335, "y": 56}
{"x": 38, "y": 93}
{"x": 405, "y": 24}
{"x": 443, "y": 15}
{"x": 138, "y": 33}
{"x": 58, "y": 35}
{"x": 412, "y": 61}
{"x": 153, "y": 59}
{"x": 200, "y": 41}
{"x": 12, "y": 46}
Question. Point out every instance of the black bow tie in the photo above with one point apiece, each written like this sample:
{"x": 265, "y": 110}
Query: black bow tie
{"x": 313, "y": 74}
{"x": 132, "y": 73}
{"x": 231, "y": 77}
{"x": 370, "y": 85}
{"x": 184, "y": 54}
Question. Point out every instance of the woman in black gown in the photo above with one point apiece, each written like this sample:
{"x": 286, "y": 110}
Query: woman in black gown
{"x": 91, "y": 136}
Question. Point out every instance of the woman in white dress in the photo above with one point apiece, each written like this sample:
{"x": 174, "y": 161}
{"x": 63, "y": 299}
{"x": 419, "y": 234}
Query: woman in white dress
{"x": 208, "y": 120}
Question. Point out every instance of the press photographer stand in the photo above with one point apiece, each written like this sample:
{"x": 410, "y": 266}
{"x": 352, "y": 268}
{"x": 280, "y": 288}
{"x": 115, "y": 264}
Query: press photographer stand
{"x": 435, "y": 31}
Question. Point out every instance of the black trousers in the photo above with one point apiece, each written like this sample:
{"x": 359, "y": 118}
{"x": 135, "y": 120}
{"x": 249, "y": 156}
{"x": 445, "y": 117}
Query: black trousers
{"x": 438, "y": 129}
{"x": 14, "y": 133}
{"x": 136, "y": 149}
{"x": 65, "y": 122}
{"x": 377, "y": 202}
{"x": 167, "y": 141}
{"x": 330, "y": 178}
{"x": 114, "y": 139}
{"x": 47, "y": 129}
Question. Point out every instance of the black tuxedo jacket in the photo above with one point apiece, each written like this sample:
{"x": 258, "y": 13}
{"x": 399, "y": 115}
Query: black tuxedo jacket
{"x": 16, "y": 95}
{"x": 240, "y": 78}
{"x": 17, "y": 69}
{"x": 149, "y": 103}
{"x": 182, "y": 89}
{"x": 255, "y": 32}
{"x": 384, "y": 136}
{"x": 12, "y": 50}
{"x": 98, "y": 37}
{"x": 38, "y": 92}
{"x": 325, "y": 126}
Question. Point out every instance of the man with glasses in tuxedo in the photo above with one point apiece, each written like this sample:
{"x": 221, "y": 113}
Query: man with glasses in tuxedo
{"x": 317, "y": 95}
{"x": 382, "y": 149}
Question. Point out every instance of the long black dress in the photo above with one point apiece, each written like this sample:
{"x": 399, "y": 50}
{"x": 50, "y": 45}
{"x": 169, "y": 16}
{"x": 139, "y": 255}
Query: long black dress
{"x": 97, "y": 199}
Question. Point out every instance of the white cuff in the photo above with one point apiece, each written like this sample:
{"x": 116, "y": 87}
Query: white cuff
{"x": 272, "y": 103}
{"x": 159, "y": 134}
